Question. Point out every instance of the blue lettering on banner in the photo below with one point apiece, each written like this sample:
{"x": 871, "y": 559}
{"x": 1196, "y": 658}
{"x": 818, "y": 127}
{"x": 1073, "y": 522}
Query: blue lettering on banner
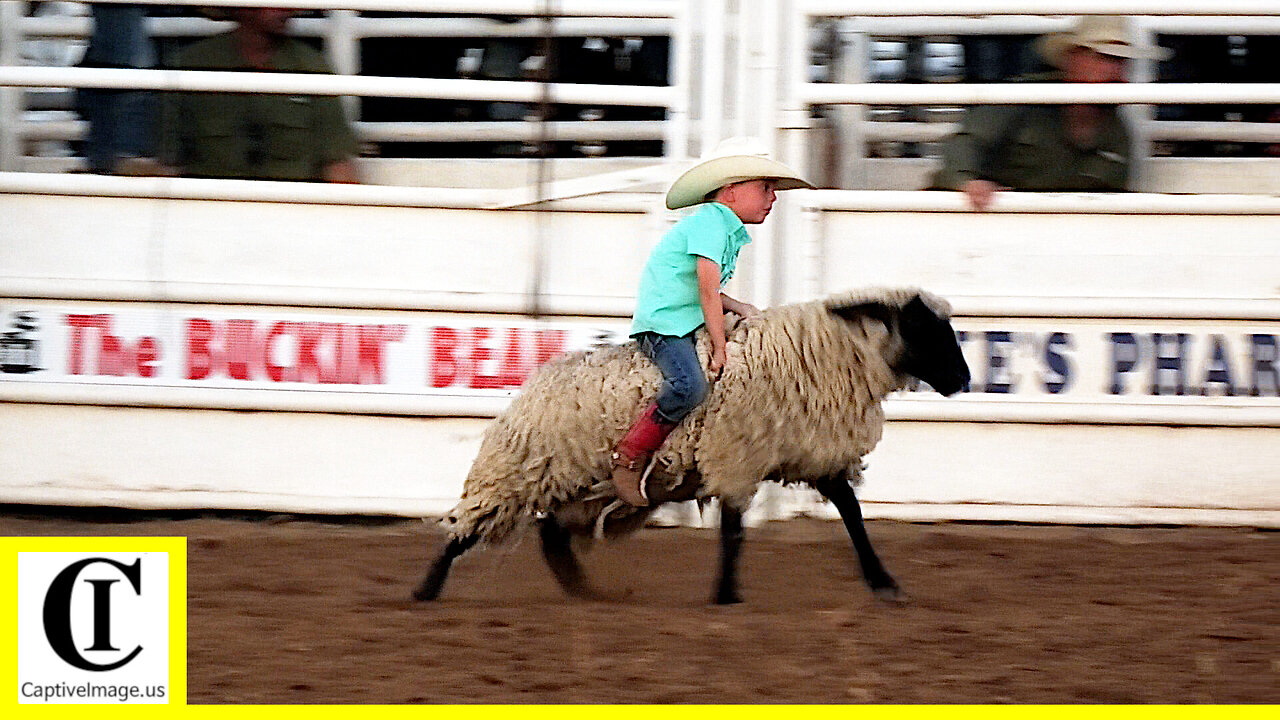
{"x": 1124, "y": 358}
{"x": 1266, "y": 375}
{"x": 1217, "y": 375}
{"x": 1169, "y": 360}
{"x": 1057, "y": 364}
{"x": 998, "y": 379}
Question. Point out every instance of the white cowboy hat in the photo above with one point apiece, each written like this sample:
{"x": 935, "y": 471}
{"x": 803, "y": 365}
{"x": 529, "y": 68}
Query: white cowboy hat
{"x": 1105, "y": 34}
{"x": 732, "y": 160}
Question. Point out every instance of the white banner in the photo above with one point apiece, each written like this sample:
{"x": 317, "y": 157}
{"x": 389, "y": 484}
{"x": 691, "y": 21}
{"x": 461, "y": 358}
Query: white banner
{"x": 1057, "y": 366}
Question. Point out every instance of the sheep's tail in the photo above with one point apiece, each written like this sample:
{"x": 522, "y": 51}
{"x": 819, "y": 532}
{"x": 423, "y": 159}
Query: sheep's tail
{"x": 493, "y": 508}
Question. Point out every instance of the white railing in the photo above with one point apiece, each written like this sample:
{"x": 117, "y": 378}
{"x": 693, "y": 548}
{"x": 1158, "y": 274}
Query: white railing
{"x": 901, "y": 8}
{"x": 733, "y": 87}
{"x": 342, "y": 31}
{"x": 311, "y": 84}
{"x": 848, "y": 99}
{"x": 550, "y": 8}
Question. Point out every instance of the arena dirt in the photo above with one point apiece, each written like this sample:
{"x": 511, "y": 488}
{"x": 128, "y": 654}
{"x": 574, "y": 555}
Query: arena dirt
{"x": 297, "y": 610}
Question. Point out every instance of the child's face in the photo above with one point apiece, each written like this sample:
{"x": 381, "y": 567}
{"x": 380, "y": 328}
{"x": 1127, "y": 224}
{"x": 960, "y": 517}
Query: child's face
{"x": 750, "y": 200}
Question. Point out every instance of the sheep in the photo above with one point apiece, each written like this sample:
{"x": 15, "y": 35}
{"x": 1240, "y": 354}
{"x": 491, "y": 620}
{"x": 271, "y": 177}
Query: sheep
{"x": 799, "y": 401}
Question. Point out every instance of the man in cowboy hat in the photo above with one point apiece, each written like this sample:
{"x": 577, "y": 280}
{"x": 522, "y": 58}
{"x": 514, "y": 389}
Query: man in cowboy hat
{"x": 1076, "y": 147}
{"x": 256, "y": 135}
{"x": 680, "y": 286}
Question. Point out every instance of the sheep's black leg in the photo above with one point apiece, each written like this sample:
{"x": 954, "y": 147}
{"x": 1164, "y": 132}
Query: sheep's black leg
{"x": 726, "y": 590}
{"x": 558, "y": 553}
{"x": 431, "y": 584}
{"x": 837, "y": 489}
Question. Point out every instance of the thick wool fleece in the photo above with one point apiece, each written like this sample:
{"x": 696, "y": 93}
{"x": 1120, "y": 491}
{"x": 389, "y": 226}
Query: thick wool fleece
{"x": 799, "y": 398}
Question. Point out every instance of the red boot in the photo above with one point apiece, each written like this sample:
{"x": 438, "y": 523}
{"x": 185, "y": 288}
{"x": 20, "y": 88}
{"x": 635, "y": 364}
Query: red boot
{"x": 633, "y": 452}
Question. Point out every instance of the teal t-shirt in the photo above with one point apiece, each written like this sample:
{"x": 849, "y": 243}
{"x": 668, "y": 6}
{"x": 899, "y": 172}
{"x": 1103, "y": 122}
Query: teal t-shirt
{"x": 667, "y": 302}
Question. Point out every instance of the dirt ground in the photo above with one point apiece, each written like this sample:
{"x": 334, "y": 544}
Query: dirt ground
{"x": 285, "y": 609}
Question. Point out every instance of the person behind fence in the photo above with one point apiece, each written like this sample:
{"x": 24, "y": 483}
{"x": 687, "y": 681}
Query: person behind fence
{"x": 257, "y": 136}
{"x": 1077, "y": 147}
{"x": 121, "y": 122}
{"x": 680, "y": 290}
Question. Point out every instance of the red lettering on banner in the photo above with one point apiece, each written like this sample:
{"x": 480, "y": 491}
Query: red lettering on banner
{"x": 308, "y": 368}
{"x": 112, "y": 355}
{"x": 308, "y": 352}
{"x": 515, "y": 365}
{"x": 444, "y": 356}
{"x": 275, "y": 373}
{"x": 78, "y": 324}
{"x": 148, "y": 354}
{"x": 481, "y": 354}
{"x": 549, "y": 344}
{"x": 466, "y": 357}
{"x": 240, "y": 348}
{"x": 199, "y": 355}
{"x": 371, "y": 355}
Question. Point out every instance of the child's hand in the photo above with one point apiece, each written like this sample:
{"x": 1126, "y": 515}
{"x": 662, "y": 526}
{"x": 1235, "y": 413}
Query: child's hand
{"x": 715, "y": 366}
{"x": 747, "y": 310}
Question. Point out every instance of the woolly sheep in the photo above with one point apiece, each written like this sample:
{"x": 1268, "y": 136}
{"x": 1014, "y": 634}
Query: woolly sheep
{"x": 799, "y": 401}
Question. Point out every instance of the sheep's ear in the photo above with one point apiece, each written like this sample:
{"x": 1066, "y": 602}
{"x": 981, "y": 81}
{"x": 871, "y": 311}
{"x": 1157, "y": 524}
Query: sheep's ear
{"x": 872, "y": 309}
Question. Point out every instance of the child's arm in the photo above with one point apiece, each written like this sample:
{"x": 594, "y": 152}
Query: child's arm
{"x": 737, "y": 307}
{"x": 712, "y": 312}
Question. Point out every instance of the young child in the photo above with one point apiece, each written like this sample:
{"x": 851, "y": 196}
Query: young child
{"x": 680, "y": 290}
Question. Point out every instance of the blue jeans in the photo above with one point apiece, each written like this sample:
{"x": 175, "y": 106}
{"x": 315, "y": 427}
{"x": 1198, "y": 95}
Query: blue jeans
{"x": 684, "y": 384}
{"x": 120, "y": 121}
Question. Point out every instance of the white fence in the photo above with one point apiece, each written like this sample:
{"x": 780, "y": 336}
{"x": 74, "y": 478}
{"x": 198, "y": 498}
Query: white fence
{"x": 1126, "y": 367}
{"x": 1125, "y": 348}
{"x": 742, "y": 81}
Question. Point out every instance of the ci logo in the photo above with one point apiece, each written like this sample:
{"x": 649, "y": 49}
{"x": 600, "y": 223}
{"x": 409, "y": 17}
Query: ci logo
{"x": 57, "y": 613}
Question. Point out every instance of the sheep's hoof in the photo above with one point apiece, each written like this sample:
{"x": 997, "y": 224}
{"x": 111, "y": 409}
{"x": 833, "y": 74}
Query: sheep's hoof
{"x": 890, "y": 595}
{"x": 727, "y": 597}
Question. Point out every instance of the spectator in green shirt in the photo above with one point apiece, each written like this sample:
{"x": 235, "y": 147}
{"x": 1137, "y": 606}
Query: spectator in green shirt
{"x": 680, "y": 290}
{"x": 257, "y": 136}
{"x": 1077, "y": 147}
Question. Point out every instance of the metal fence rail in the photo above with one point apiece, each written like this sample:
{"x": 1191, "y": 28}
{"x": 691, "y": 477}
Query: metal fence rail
{"x": 729, "y": 72}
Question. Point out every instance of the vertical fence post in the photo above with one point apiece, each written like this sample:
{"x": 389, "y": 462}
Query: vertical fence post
{"x": 792, "y": 123}
{"x": 762, "y": 112}
{"x": 11, "y": 14}
{"x": 679, "y": 76}
{"x": 853, "y": 58}
{"x": 342, "y": 45}
{"x": 714, "y": 28}
{"x": 1141, "y": 116}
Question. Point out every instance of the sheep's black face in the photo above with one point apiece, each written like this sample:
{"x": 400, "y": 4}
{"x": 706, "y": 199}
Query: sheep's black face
{"x": 930, "y": 350}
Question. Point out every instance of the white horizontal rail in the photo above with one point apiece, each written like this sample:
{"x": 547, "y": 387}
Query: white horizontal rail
{"x": 284, "y": 192}
{"x": 1221, "y": 131}
{"x": 313, "y": 297}
{"x": 314, "y": 84}
{"x": 1037, "y": 93}
{"x": 56, "y": 26}
{"x": 811, "y": 200}
{"x": 1041, "y": 24}
{"x": 1155, "y": 130}
{"x": 1238, "y": 414}
{"x": 364, "y": 27}
{"x": 514, "y": 131}
{"x": 1038, "y": 202}
{"x": 1212, "y": 25}
{"x": 563, "y": 8}
{"x": 890, "y": 8}
{"x": 1106, "y": 308}
{"x": 1116, "y": 308}
{"x": 514, "y": 91}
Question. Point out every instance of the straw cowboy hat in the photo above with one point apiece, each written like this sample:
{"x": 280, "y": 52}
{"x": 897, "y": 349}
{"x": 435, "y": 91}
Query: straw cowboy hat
{"x": 732, "y": 160}
{"x": 1105, "y": 34}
